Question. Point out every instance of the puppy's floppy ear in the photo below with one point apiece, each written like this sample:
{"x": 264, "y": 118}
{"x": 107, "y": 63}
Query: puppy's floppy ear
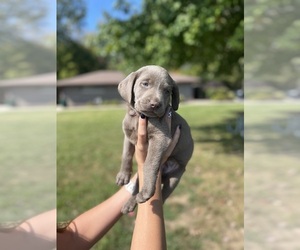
{"x": 125, "y": 88}
{"x": 175, "y": 96}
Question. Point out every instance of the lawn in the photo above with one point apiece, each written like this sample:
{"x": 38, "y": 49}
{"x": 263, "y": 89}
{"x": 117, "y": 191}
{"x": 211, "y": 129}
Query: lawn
{"x": 28, "y": 151}
{"x": 272, "y": 139}
{"x": 206, "y": 209}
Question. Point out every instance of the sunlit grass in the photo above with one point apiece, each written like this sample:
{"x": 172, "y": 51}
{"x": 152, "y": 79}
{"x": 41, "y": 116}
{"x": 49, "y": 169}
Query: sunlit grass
{"x": 272, "y": 175}
{"x": 27, "y": 158}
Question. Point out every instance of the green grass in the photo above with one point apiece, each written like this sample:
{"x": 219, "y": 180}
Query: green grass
{"x": 206, "y": 209}
{"x": 27, "y": 157}
{"x": 272, "y": 175}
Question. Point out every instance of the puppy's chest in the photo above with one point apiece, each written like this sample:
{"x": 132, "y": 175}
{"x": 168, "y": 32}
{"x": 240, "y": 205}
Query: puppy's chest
{"x": 130, "y": 126}
{"x": 131, "y": 134}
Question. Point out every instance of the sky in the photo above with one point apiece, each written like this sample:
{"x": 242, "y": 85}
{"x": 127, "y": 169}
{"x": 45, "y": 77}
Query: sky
{"x": 94, "y": 15}
{"x": 95, "y": 9}
{"x": 50, "y": 19}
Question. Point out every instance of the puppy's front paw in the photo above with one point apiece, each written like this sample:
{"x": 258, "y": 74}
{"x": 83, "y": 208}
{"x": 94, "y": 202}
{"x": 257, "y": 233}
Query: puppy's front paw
{"x": 122, "y": 178}
{"x": 144, "y": 195}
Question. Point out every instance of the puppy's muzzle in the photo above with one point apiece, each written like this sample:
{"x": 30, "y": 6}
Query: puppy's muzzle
{"x": 153, "y": 104}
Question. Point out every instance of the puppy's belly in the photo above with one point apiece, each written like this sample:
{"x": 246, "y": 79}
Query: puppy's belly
{"x": 169, "y": 167}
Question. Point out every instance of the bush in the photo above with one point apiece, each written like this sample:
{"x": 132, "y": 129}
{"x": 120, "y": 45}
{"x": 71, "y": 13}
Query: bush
{"x": 220, "y": 93}
{"x": 264, "y": 93}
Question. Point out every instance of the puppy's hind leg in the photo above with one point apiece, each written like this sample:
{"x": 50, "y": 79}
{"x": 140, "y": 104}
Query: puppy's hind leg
{"x": 129, "y": 205}
{"x": 170, "y": 179}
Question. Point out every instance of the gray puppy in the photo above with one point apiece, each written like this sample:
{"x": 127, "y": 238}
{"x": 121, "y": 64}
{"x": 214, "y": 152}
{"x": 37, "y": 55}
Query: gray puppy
{"x": 150, "y": 91}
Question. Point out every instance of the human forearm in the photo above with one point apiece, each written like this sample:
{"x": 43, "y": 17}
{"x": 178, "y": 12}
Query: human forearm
{"x": 85, "y": 230}
{"x": 149, "y": 231}
{"x": 42, "y": 224}
{"x": 37, "y": 232}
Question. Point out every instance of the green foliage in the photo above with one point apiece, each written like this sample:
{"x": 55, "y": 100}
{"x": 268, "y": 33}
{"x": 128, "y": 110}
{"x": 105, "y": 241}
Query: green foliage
{"x": 70, "y": 17}
{"x": 204, "y": 35}
{"x": 23, "y": 53}
{"x": 24, "y": 58}
{"x": 265, "y": 93}
{"x": 73, "y": 58}
{"x": 21, "y": 16}
{"x": 272, "y": 42}
{"x": 220, "y": 93}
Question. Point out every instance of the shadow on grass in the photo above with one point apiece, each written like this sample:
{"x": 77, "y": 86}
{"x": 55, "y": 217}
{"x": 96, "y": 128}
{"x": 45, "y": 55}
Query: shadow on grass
{"x": 227, "y": 134}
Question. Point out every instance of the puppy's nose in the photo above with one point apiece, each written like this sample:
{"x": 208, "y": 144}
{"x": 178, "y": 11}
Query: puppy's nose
{"x": 154, "y": 104}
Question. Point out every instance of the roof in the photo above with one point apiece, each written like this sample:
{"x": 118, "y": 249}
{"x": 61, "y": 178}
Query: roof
{"x": 100, "y": 77}
{"x": 183, "y": 79}
{"x": 111, "y": 77}
{"x": 37, "y": 80}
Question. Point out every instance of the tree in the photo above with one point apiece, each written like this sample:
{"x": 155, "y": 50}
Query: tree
{"x": 73, "y": 58}
{"x": 22, "y": 52}
{"x": 272, "y": 43}
{"x": 204, "y": 38}
{"x": 70, "y": 18}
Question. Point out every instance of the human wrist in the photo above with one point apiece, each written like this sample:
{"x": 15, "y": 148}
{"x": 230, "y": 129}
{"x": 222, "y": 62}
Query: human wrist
{"x": 130, "y": 186}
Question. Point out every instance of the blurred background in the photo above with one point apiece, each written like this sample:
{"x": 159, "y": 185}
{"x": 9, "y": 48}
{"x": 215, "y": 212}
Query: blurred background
{"x": 27, "y": 109}
{"x": 272, "y": 115}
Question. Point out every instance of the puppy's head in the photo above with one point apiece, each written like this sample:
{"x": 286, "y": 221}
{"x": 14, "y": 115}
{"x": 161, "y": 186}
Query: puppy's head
{"x": 150, "y": 90}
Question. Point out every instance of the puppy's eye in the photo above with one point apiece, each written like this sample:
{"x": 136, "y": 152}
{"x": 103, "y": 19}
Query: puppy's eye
{"x": 145, "y": 84}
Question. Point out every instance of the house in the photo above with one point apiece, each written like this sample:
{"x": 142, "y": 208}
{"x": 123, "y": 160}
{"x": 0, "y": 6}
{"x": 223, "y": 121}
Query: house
{"x": 93, "y": 87}
{"x": 190, "y": 87}
{"x": 102, "y": 86}
{"x": 29, "y": 91}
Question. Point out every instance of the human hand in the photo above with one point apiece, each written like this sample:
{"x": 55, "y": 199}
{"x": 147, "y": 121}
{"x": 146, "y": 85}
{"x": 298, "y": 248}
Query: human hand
{"x": 141, "y": 147}
{"x": 149, "y": 223}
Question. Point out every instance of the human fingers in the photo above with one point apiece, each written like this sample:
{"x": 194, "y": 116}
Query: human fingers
{"x": 141, "y": 147}
{"x": 142, "y": 132}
